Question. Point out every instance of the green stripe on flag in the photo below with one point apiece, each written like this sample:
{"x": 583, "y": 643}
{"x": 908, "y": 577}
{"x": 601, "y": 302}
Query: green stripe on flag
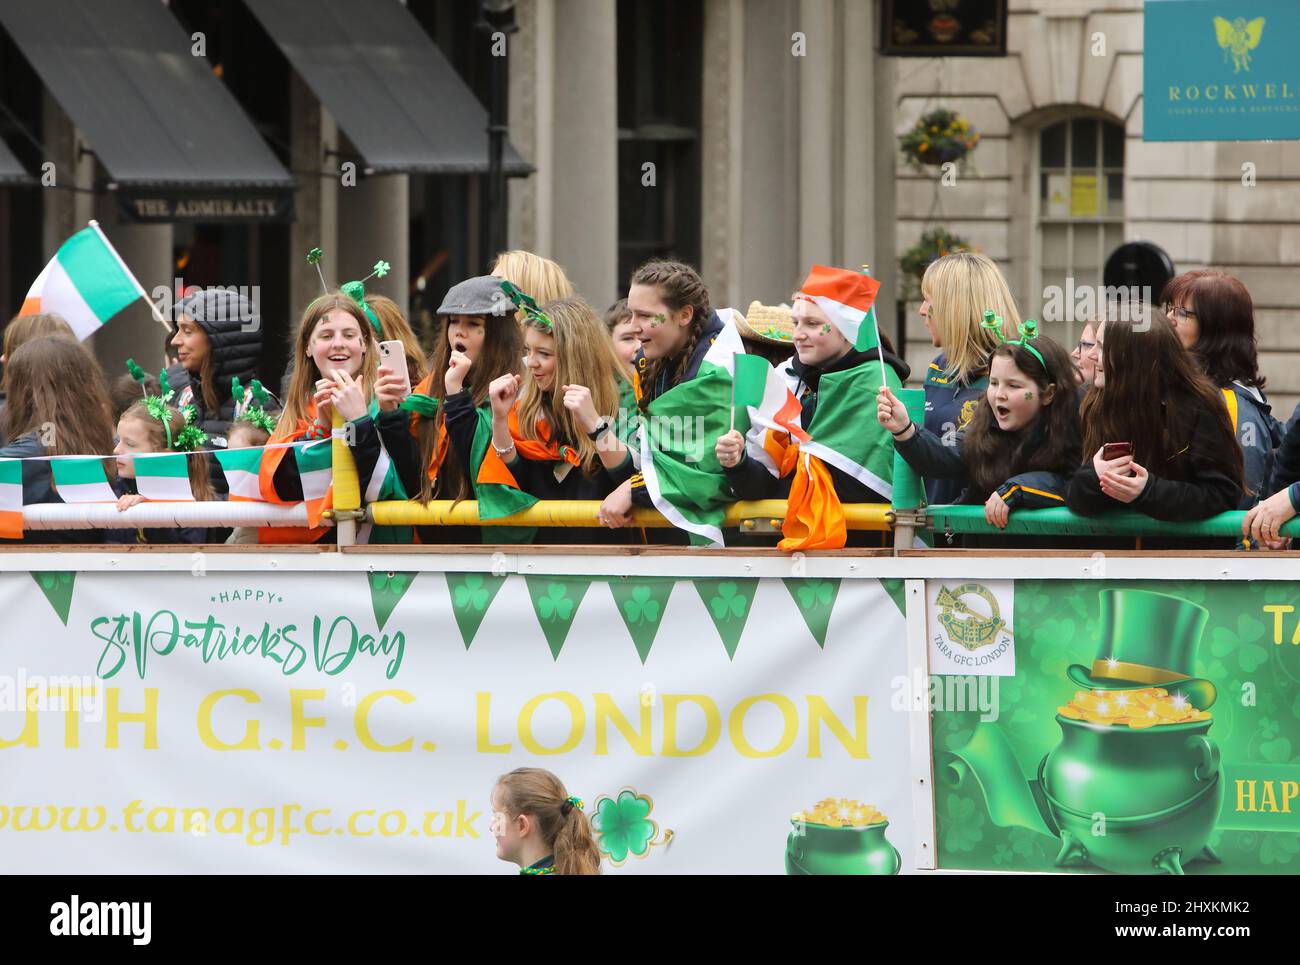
{"x": 749, "y": 380}
{"x": 78, "y": 471}
{"x": 868, "y": 333}
{"x": 314, "y": 456}
{"x": 170, "y": 465}
{"x": 97, "y": 273}
{"x": 11, "y": 472}
{"x": 239, "y": 460}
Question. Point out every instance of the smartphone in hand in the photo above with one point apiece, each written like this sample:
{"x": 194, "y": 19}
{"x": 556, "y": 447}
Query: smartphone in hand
{"x": 1113, "y": 450}
{"x": 392, "y": 356}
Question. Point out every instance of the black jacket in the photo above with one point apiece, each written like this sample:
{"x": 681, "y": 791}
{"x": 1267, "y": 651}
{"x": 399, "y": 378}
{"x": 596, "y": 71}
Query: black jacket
{"x": 750, "y": 479}
{"x": 1205, "y": 489}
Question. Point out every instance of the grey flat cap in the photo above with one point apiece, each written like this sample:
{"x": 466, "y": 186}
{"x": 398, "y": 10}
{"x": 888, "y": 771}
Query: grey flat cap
{"x": 476, "y": 296}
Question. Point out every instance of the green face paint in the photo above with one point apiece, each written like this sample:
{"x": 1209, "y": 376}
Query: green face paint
{"x": 826, "y": 329}
{"x": 659, "y": 320}
{"x": 1029, "y": 396}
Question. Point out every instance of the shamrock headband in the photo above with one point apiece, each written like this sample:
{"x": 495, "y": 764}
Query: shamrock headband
{"x": 1028, "y": 331}
{"x": 354, "y": 289}
{"x": 254, "y": 411}
{"x": 528, "y": 305}
{"x": 191, "y": 437}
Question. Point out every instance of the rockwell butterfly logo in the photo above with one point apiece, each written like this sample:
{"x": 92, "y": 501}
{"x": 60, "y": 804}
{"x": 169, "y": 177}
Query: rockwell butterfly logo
{"x": 1238, "y": 38}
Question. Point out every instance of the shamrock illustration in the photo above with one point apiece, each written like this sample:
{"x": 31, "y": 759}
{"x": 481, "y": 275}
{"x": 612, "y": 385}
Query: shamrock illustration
{"x": 815, "y": 593}
{"x": 623, "y": 826}
{"x": 555, "y": 605}
{"x": 382, "y": 268}
{"x": 390, "y": 582}
{"x": 728, "y": 603}
{"x": 472, "y": 594}
{"x": 641, "y": 608}
{"x": 313, "y": 256}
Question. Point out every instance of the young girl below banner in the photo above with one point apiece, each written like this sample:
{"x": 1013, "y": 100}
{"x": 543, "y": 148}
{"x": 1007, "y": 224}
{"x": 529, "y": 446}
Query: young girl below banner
{"x": 540, "y": 826}
{"x": 1022, "y": 443}
{"x": 554, "y": 427}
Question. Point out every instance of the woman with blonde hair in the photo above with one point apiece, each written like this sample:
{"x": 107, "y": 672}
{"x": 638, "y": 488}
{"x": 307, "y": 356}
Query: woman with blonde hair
{"x": 956, "y": 291}
{"x": 540, "y": 278}
{"x": 538, "y": 825}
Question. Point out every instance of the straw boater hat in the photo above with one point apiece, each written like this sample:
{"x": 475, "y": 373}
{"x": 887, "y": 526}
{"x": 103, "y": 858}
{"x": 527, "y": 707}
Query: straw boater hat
{"x": 766, "y": 323}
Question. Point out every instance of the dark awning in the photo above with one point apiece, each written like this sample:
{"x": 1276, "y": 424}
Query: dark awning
{"x": 151, "y": 111}
{"x": 11, "y": 171}
{"x": 389, "y": 87}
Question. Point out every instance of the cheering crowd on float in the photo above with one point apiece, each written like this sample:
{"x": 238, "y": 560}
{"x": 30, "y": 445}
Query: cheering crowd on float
{"x": 660, "y": 401}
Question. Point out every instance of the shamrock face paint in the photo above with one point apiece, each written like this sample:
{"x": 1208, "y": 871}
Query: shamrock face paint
{"x": 816, "y": 340}
{"x": 661, "y": 330}
{"x": 1029, "y": 396}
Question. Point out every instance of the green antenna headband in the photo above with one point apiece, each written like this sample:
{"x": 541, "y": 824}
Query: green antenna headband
{"x": 1028, "y": 331}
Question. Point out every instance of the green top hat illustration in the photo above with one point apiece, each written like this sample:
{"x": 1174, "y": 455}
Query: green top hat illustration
{"x": 1148, "y": 640}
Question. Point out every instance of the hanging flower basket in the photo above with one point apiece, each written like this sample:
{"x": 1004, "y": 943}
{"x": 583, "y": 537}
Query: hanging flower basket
{"x": 935, "y": 243}
{"x": 939, "y": 137}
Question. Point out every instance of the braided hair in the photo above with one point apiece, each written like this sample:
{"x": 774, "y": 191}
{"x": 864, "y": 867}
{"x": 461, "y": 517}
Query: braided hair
{"x": 680, "y": 286}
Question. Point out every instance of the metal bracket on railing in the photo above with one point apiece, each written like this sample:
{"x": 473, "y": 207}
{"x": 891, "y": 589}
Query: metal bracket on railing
{"x": 766, "y": 525}
{"x": 342, "y": 514}
{"x": 916, "y": 518}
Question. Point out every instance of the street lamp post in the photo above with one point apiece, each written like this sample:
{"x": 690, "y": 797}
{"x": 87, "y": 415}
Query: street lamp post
{"x": 498, "y": 17}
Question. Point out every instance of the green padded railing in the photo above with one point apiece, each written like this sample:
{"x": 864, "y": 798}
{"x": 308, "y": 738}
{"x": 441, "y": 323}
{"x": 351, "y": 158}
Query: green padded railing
{"x": 1062, "y": 522}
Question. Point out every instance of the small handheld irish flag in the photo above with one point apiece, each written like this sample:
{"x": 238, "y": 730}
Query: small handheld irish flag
{"x": 163, "y": 476}
{"x": 86, "y": 282}
{"x": 315, "y": 470}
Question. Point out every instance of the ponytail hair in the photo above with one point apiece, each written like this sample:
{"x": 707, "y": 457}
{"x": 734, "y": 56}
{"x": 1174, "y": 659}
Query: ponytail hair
{"x": 565, "y": 829}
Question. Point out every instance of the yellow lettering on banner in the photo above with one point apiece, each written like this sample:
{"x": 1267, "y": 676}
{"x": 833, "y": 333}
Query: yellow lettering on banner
{"x": 444, "y": 831}
{"x": 300, "y": 723}
{"x": 1173, "y": 93}
{"x": 310, "y": 821}
{"x": 1245, "y": 788}
{"x": 352, "y": 824}
{"x": 577, "y": 723}
{"x": 114, "y": 717}
{"x": 206, "y": 734}
{"x": 607, "y": 711}
{"x": 161, "y": 820}
{"x": 483, "y": 725}
{"x": 31, "y": 722}
{"x": 223, "y": 825}
{"x": 71, "y": 698}
{"x": 362, "y": 721}
{"x": 790, "y": 720}
{"x": 712, "y": 728}
{"x": 819, "y": 712}
{"x": 1277, "y": 610}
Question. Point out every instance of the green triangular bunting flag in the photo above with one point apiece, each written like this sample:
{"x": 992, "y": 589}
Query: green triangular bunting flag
{"x": 728, "y": 603}
{"x": 386, "y": 589}
{"x": 641, "y": 604}
{"x": 816, "y": 600}
{"x": 57, "y": 587}
{"x": 896, "y": 588}
{"x": 556, "y": 600}
{"x": 471, "y": 595}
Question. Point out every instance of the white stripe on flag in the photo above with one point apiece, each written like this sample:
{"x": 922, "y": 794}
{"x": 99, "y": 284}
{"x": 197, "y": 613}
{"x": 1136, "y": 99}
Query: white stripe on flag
{"x": 95, "y": 492}
{"x": 11, "y": 497}
{"x": 58, "y": 294}
{"x": 243, "y": 485}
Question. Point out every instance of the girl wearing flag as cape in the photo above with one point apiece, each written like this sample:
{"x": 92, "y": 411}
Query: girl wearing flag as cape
{"x": 683, "y": 387}
{"x": 554, "y": 428}
{"x": 153, "y": 426}
{"x": 40, "y": 420}
{"x": 956, "y": 289}
{"x": 1021, "y": 445}
{"x": 334, "y": 366}
{"x": 478, "y": 341}
{"x": 822, "y": 454}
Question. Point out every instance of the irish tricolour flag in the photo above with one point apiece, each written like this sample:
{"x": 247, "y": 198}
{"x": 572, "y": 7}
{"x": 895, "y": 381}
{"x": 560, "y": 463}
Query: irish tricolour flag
{"x": 163, "y": 476}
{"x": 241, "y": 467}
{"x": 86, "y": 282}
{"x": 81, "y": 479}
{"x": 315, "y": 470}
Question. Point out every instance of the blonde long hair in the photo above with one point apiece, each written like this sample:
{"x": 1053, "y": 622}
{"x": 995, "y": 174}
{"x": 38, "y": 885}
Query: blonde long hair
{"x": 584, "y": 355}
{"x": 565, "y": 831}
{"x": 960, "y": 288}
{"x": 533, "y": 275}
{"x": 156, "y": 432}
{"x": 302, "y": 386}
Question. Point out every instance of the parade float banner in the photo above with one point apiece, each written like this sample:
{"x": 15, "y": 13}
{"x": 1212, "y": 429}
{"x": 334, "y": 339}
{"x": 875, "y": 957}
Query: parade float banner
{"x": 1220, "y": 72}
{"x": 1150, "y": 727}
{"x": 357, "y": 722}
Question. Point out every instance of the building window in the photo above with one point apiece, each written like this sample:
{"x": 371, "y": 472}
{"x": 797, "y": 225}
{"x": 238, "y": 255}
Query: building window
{"x": 1080, "y": 206}
{"x": 660, "y": 65}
